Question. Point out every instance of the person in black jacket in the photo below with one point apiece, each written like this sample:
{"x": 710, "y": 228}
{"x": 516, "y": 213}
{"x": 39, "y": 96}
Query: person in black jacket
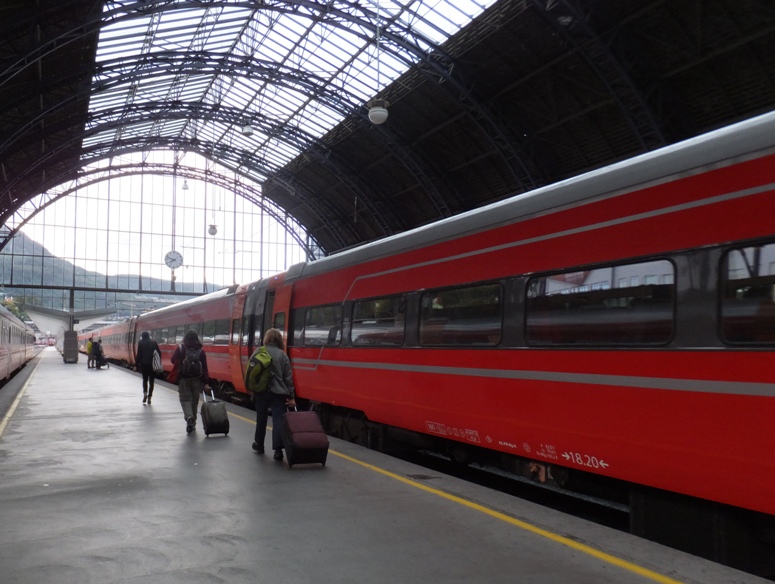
{"x": 144, "y": 363}
{"x": 193, "y": 375}
{"x": 97, "y": 356}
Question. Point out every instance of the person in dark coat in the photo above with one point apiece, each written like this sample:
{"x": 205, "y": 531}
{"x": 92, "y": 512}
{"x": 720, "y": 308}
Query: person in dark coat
{"x": 144, "y": 363}
{"x": 280, "y": 393}
{"x": 189, "y": 388}
{"x": 96, "y": 352}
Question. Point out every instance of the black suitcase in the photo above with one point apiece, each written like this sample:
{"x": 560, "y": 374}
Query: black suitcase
{"x": 215, "y": 418}
{"x": 304, "y": 439}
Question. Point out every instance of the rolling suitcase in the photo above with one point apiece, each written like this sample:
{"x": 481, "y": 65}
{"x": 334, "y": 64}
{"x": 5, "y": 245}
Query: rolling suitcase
{"x": 303, "y": 438}
{"x": 215, "y": 419}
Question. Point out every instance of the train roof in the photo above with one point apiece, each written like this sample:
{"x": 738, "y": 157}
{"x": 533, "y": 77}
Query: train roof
{"x": 191, "y": 302}
{"x": 734, "y": 141}
{"x": 15, "y": 319}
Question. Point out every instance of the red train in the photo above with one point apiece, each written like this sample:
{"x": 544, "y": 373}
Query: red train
{"x": 618, "y": 324}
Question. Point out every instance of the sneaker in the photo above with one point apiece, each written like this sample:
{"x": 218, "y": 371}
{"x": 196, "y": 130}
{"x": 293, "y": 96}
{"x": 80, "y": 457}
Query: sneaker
{"x": 149, "y": 400}
{"x": 190, "y": 425}
{"x": 145, "y": 397}
{"x": 257, "y": 448}
{"x": 278, "y": 454}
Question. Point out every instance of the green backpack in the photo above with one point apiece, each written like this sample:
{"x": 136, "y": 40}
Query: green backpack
{"x": 259, "y": 371}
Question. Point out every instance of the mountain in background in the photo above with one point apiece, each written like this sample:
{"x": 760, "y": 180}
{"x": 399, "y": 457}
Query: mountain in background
{"x": 25, "y": 262}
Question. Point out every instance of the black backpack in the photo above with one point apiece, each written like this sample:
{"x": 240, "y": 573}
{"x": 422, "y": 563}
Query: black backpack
{"x": 191, "y": 365}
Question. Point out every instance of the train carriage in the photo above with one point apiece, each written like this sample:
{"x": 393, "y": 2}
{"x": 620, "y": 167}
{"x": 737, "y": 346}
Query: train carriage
{"x": 17, "y": 344}
{"x": 600, "y": 324}
{"x": 210, "y": 316}
{"x": 116, "y": 340}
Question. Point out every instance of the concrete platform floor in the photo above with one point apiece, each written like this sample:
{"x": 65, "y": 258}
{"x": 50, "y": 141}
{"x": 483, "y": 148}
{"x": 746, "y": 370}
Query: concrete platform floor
{"x": 97, "y": 488}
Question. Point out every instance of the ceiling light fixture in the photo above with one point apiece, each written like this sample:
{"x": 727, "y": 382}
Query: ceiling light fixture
{"x": 378, "y": 112}
{"x": 247, "y": 130}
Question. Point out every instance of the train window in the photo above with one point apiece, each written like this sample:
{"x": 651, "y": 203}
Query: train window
{"x": 323, "y": 326}
{"x": 470, "y": 316}
{"x": 748, "y": 295}
{"x": 208, "y": 333}
{"x": 298, "y": 317}
{"x": 222, "y": 331}
{"x": 630, "y": 304}
{"x": 246, "y": 329}
{"x": 164, "y": 336}
{"x": 235, "y": 331}
{"x": 379, "y": 322}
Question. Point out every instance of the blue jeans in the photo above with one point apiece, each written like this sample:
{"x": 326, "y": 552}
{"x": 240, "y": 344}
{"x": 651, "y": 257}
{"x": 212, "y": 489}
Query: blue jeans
{"x": 263, "y": 402}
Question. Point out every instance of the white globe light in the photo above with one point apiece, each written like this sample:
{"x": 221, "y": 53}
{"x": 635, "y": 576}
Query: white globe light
{"x": 378, "y": 112}
{"x": 378, "y": 115}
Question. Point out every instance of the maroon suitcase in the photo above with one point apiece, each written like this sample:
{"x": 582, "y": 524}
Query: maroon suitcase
{"x": 304, "y": 440}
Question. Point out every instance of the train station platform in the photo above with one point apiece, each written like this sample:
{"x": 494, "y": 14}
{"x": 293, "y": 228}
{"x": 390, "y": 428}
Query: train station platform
{"x": 98, "y": 488}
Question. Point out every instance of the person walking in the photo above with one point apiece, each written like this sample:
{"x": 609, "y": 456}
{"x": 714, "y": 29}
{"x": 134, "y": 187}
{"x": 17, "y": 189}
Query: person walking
{"x": 96, "y": 354}
{"x": 146, "y": 349}
{"x": 278, "y": 397}
{"x": 89, "y": 355}
{"x": 191, "y": 362}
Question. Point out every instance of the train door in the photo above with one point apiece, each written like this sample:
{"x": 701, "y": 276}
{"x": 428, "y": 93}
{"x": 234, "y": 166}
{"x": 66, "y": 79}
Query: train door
{"x": 236, "y": 348}
{"x": 252, "y": 319}
{"x": 268, "y": 309}
{"x": 258, "y": 315}
{"x": 280, "y": 309}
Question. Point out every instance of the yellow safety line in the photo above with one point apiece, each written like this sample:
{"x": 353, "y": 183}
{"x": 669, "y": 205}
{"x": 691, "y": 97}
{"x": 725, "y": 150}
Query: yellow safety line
{"x": 244, "y": 419}
{"x": 646, "y": 573}
{"x": 608, "y": 558}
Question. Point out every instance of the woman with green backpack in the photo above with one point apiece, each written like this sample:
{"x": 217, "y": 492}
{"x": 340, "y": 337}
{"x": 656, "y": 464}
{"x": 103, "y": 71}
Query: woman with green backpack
{"x": 272, "y": 387}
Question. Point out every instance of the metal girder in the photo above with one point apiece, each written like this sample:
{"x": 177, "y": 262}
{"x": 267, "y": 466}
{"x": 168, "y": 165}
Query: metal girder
{"x": 97, "y": 175}
{"x": 209, "y": 63}
{"x": 567, "y": 18}
{"x": 337, "y": 99}
{"x": 400, "y": 40}
{"x": 230, "y": 159}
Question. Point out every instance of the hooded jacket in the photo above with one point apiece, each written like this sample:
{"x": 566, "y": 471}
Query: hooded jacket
{"x": 283, "y": 373}
{"x": 145, "y": 350}
{"x": 191, "y": 342}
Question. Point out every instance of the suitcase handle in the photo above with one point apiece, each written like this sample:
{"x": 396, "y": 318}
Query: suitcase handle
{"x": 204, "y": 394}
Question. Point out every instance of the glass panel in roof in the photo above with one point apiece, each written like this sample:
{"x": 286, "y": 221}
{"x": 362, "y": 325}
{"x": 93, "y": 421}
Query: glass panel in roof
{"x": 332, "y": 47}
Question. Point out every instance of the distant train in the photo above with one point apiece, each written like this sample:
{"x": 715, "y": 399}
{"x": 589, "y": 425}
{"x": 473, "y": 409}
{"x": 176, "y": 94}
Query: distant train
{"x": 620, "y": 324}
{"x": 17, "y": 344}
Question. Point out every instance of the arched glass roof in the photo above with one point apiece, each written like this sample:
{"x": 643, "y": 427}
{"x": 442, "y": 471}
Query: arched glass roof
{"x": 254, "y": 83}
